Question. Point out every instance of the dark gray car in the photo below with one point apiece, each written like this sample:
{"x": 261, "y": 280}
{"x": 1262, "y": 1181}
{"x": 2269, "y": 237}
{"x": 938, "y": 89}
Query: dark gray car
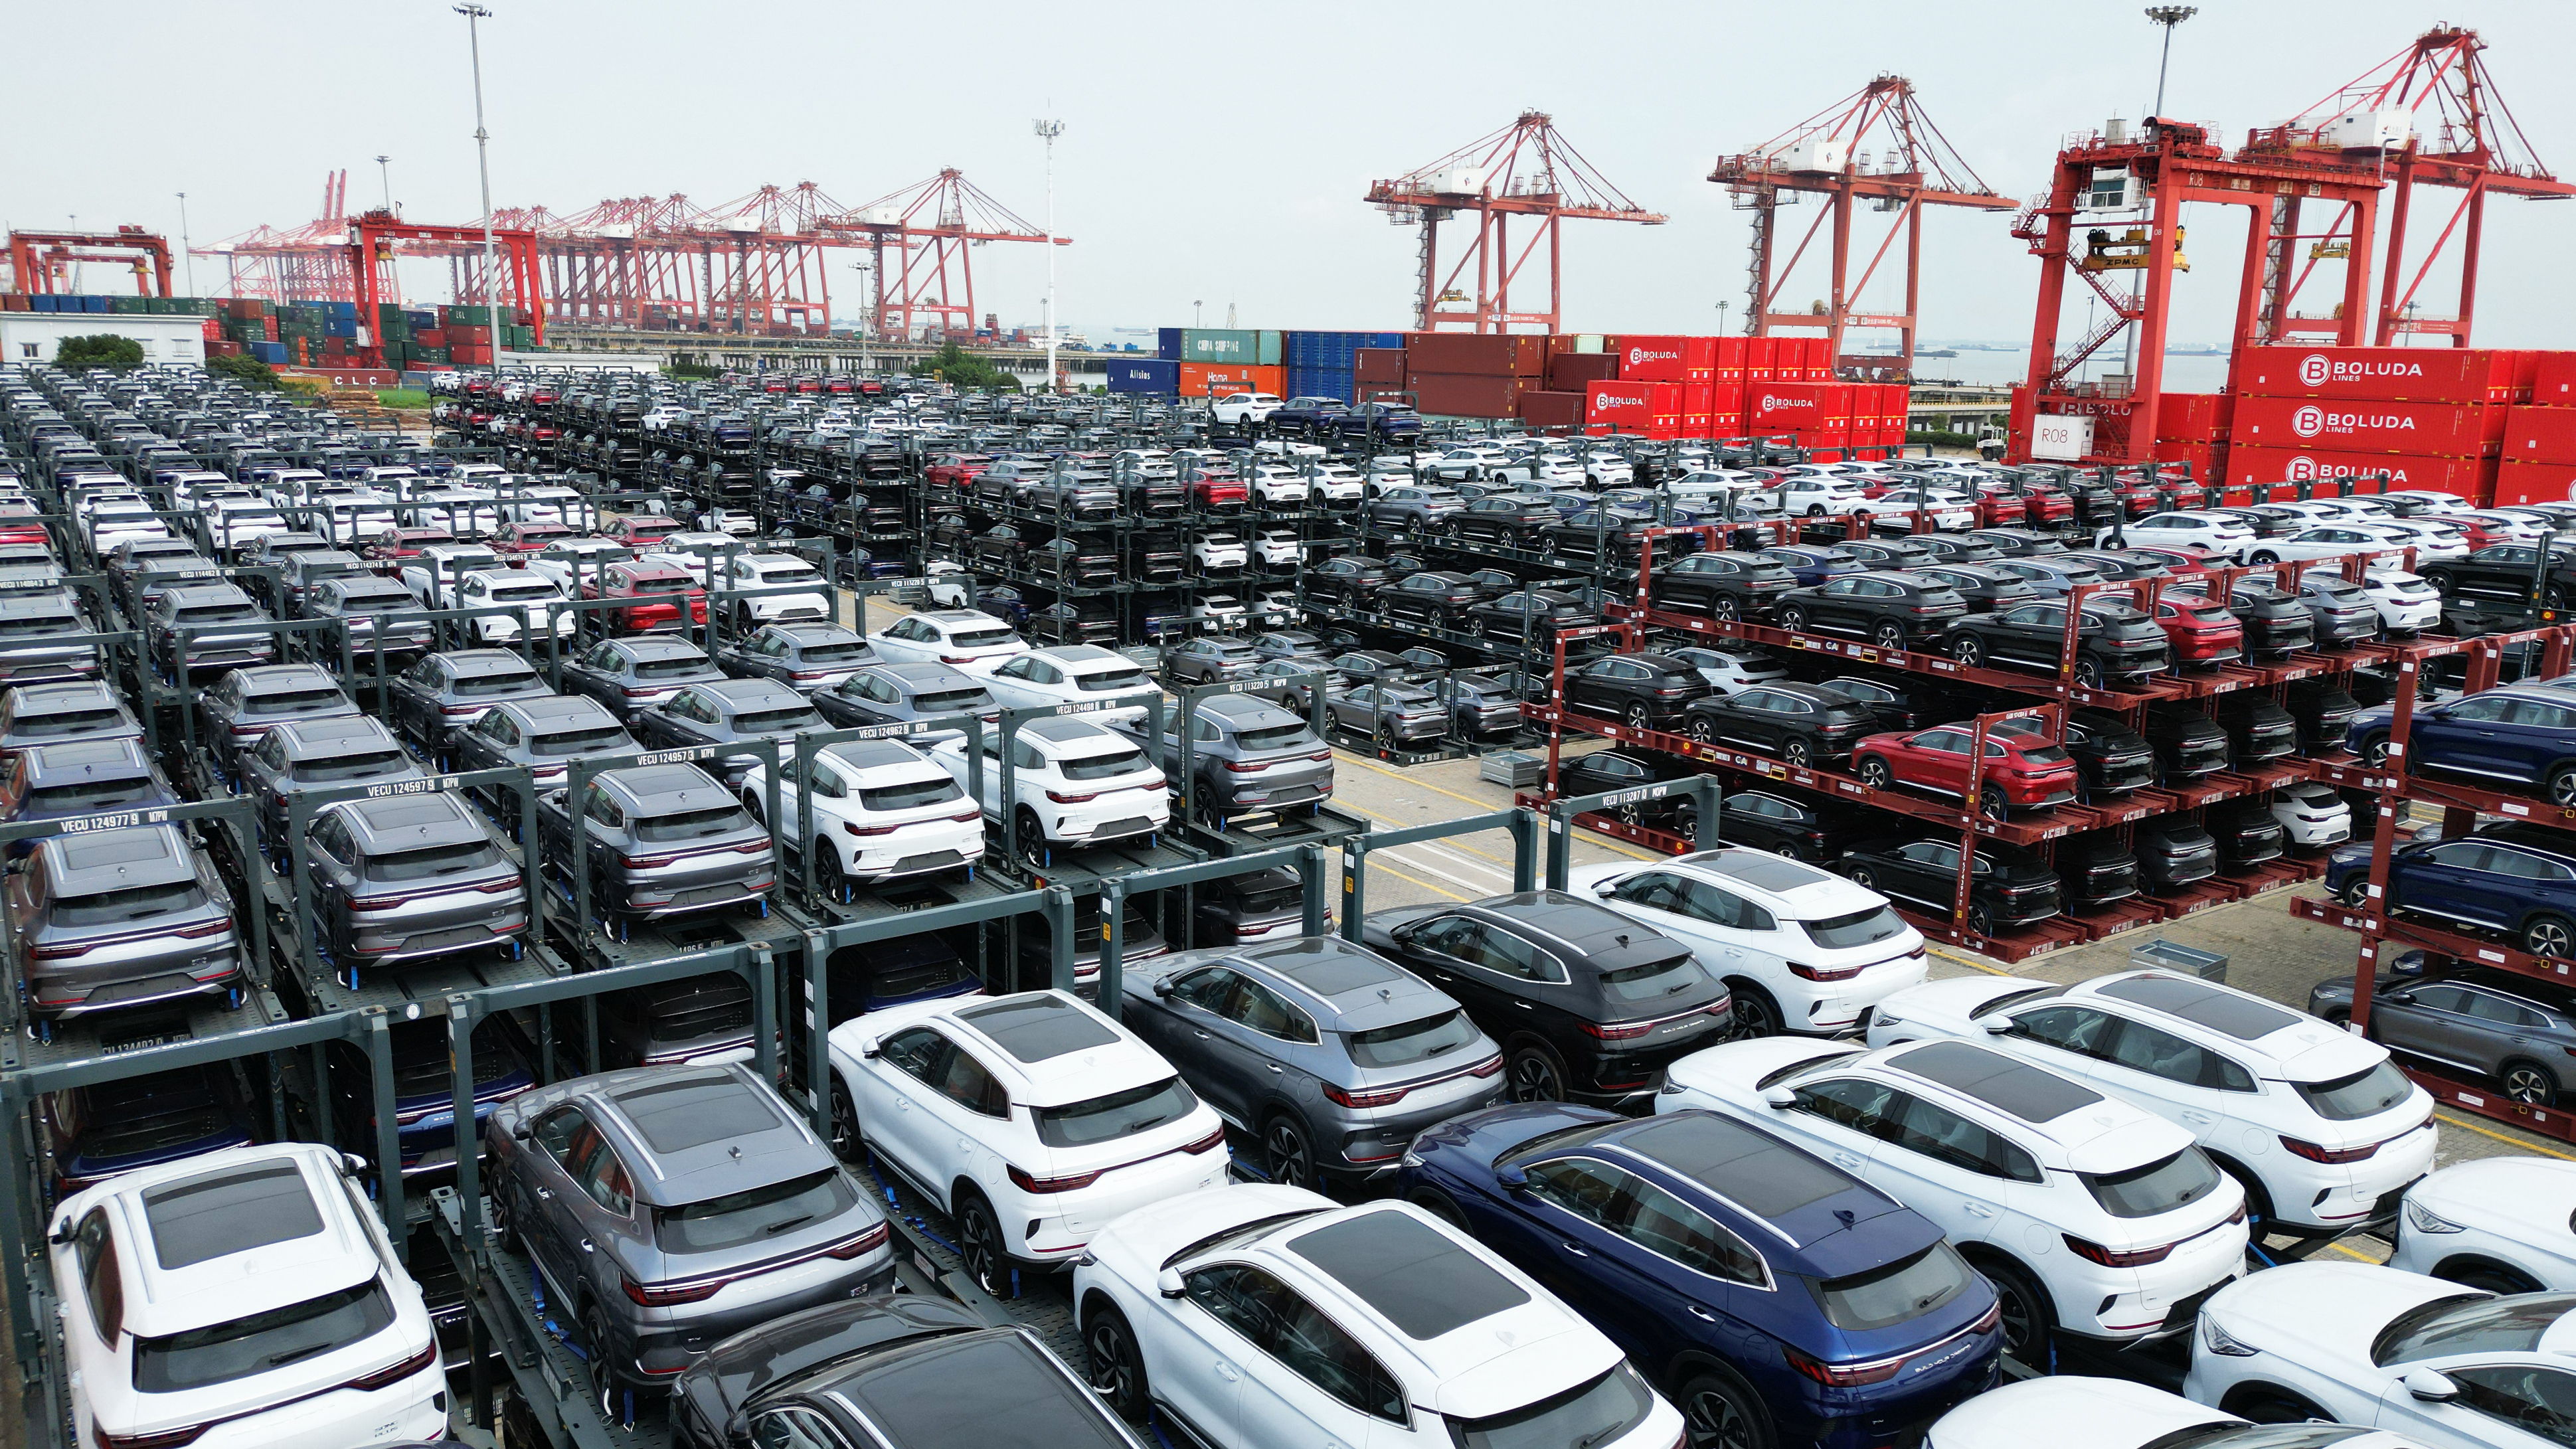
{"x": 668, "y": 1208}
{"x": 1388, "y": 713}
{"x": 902, "y": 693}
{"x": 318, "y": 754}
{"x": 409, "y": 877}
{"x": 361, "y": 604}
{"x": 1328, "y": 1054}
{"x": 444, "y": 692}
{"x": 804, "y": 657}
{"x": 46, "y": 714}
{"x": 226, "y": 631}
{"x": 299, "y": 572}
{"x": 733, "y": 711}
{"x": 119, "y": 918}
{"x": 238, "y": 709}
{"x": 1209, "y": 660}
{"x": 1415, "y": 506}
{"x": 662, "y": 840}
{"x": 2515, "y": 1031}
{"x": 41, "y": 637}
{"x": 1246, "y": 754}
{"x": 543, "y": 736}
{"x": 638, "y": 671}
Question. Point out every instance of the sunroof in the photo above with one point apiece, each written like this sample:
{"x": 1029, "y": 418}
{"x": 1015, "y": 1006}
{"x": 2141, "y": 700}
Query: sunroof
{"x": 1760, "y": 868}
{"x": 1998, "y": 1081}
{"x": 1327, "y": 967}
{"x": 117, "y": 847}
{"x": 1037, "y": 1026}
{"x": 1061, "y": 730}
{"x": 2233, "y": 1013}
{"x": 213, "y": 1217}
{"x": 1768, "y": 1178}
{"x": 692, "y": 1112}
{"x": 1414, "y": 1276}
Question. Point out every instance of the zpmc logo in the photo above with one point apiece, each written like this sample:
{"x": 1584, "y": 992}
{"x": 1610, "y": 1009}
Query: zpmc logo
{"x": 2315, "y": 370}
{"x": 2308, "y": 421}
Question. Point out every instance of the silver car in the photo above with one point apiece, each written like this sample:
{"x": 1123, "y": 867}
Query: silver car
{"x": 663, "y": 840}
{"x": 411, "y": 876}
{"x": 668, "y": 1207}
{"x": 1328, "y": 1054}
{"x": 119, "y": 918}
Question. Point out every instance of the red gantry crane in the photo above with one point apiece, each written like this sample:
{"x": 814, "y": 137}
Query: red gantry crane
{"x": 41, "y": 261}
{"x": 933, "y": 227}
{"x": 1525, "y": 169}
{"x": 1830, "y": 155}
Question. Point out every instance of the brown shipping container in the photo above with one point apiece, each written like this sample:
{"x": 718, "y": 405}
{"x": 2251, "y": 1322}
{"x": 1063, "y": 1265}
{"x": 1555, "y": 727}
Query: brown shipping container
{"x": 1569, "y": 371}
{"x": 1552, "y": 409}
{"x": 1382, "y": 366}
{"x": 1486, "y": 354}
{"x": 1468, "y": 395}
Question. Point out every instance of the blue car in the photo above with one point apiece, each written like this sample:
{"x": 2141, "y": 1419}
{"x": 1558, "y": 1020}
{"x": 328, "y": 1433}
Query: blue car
{"x": 1813, "y": 564}
{"x": 424, "y": 1093}
{"x": 99, "y": 1131}
{"x": 2520, "y": 735}
{"x": 2520, "y": 886}
{"x": 1775, "y": 1298}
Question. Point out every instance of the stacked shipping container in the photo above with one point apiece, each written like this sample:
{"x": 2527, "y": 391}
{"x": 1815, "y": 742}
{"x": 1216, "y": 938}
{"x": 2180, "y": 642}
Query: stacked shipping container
{"x": 2427, "y": 417}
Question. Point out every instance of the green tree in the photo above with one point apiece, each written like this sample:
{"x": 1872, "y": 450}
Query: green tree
{"x": 962, "y": 368}
{"x": 105, "y": 349}
{"x": 245, "y": 369}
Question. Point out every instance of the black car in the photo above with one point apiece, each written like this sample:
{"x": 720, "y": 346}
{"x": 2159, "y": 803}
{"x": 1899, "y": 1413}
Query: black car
{"x": 1440, "y": 600}
{"x": 2277, "y": 623}
{"x": 2172, "y": 851}
{"x": 2119, "y": 565}
{"x": 2007, "y": 887}
{"x": 2188, "y": 744}
{"x": 1810, "y": 564}
{"x": 1352, "y": 580}
{"x": 2257, "y": 729}
{"x": 1724, "y": 585}
{"x": 2015, "y": 542}
{"x": 1294, "y": 644}
{"x": 1531, "y": 613}
{"x": 1368, "y": 666}
{"x": 1604, "y": 771}
{"x": 1789, "y": 823}
{"x": 2246, "y": 830}
{"x": 1644, "y": 691}
{"x": 2323, "y": 712}
{"x": 1588, "y": 1004}
{"x": 1890, "y": 609}
{"x": 1901, "y": 706}
{"x": 1509, "y": 520}
{"x": 2110, "y": 757}
{"x": 1607, "y": 534}
{"x": 1956, "y": 548}
{"x": 1801, "y": 724}
{"x": 2096, "y": 870}
{"x": 1890, "y": 553}
{"x": 2503, "y": 571}
{"x": 1981, "y": 588}
{"x": 2113, "y": 641}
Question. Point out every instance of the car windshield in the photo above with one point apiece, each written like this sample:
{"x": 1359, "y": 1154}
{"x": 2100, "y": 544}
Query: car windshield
{"x": 237, "y": 1349}
{"x": 575, "y": 742}
{"x": 34, "y": 625}
{"x": 2470, "y": 1323}
{"x": 433, "y": 861}
{"x": 691, "y": 824}
{"x": 349, "y": 767}
{"x": 1895, "y": 1292}
{"x": 2363, "y": 1094}
{"x": 1276, "y": 737}
{"x": 911, "y": 794}
{"x": 1407, "y": 1042}
{"x": 762, "y": 721}
{"x": 1111, "y": 682}
{"x": 300, "y": 701}
{"x": 1586, "y": 1415}
{"x": 753, "y": 1214}
{"x": 91, "y": 794}
{"x": 127, "y": 903}
{"x": 488, "y": 686}
{"x": 1860, "y": 928}
{"x": 1103, "y": 767}
{"x": 2158, "y": 1187}
{"x": 1668, "y": 977}
{"x": 1119, "y": 1114}
{"x": 63, "y": 722}
{"x": 980, "y": 638}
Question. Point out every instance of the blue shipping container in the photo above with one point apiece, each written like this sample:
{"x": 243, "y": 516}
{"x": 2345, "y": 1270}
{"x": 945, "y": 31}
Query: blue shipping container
{"x": 341, "y": 326}
{"x": 43, "y": 302}
{"x": 1331, "y": 382}
{"x": 94, "y": 304}
{"x": 1167, "y": 343}
{"x": 1145, "y": 374}
{"x": 272, "y": 353}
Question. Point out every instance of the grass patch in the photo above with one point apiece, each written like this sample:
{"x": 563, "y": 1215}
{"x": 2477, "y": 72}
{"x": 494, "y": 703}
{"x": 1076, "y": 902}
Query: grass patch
{"x": 402, "y": 397}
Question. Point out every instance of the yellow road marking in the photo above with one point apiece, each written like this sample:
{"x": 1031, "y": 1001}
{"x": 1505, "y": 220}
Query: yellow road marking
{"x": 2356, "y": 1253}
{"x": 1970, "y": 962}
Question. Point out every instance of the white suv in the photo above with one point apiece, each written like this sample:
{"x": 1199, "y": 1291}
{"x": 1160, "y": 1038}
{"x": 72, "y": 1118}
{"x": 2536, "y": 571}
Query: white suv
{"x": 1804, "y": 951}
{"x": 243, "y": 1299}
{"x": 2193, "y": 529}
{"x": 1275, "y": 485}
{"x": 1032, "y": 1120}
{"x": 2319, "y": 1125}
{"x": 1220, "y": 550}
{"x": 1070, "y": 674}
{"x": 1263, "y": 1317}
{"x": 2088, "y": 1214}
{"x": 776, "y": 571}
{"x": 1336, "y": 482}
{"x": 966, "y": 638}
{"x": 1824, "y": 498}
{"x": 1073, "y": 783}
{"x": 2506, "y": 1224}
{"x": 873, "y": 810}
{"x": 2406, "y": 603}
{"x": 519, "y": 589}
{"x": 1244, "y": 407}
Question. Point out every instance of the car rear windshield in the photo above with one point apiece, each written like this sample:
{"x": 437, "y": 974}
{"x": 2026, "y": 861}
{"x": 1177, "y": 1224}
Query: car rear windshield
{"x": 1119, "y": 1114}
{"x": 90, "y": 794}
{"x": 486, "y": 686}
{"x": 215, "y": 613}
{"x": 691, "y": 824}
{"x": 2159, "y": 1187}
{"x": 508, "y": 592}
{"x": 127, "y": 903}
{"x": 1277, "y": 737}
{"x": 1589, "y": 1414}
{"x": 1668, "y": 977}
{"x": 834, "y": 653}
{"x": 955, "y": 701}
{"x": 296, "y": 701}
{"x": 1111, "y": 682}
{"x": 757, "y": 721}
{"x": 35, "y": 625}
{"x": 263, "y": 1341}
{"x": 1102, "y": 767}
{"x": 667, "y": 668}
{"x": 2363, "y": 1094}
{"x": 979, "y": 638}
{"x": 431, "y": 862}
{"x": 65, "y": 722}
{"x": 911, "y": 794}
{"x": 574, "y": 742}
{"x": 349, "y": 767}
{"x": 1407, "y": 1042}
{"x": 1895, "y": 1292}
{"x": 1860, "y": 928}
{"x": 753, "y": 1214}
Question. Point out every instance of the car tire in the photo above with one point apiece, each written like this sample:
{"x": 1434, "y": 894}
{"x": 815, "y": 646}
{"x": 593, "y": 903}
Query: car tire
{"x": 1535, "y": 1073}
{"x": 847, "y": 1142}
{"x": 1890, "y": 635}
{"x": 1116, "y": 1369}
{"x": 2549, "y": 934}
{"x": 1981, "y": 921}
{"x": 1756, "y": 1014}
{"x": 1439, "y": 1204}
{"x": 2560, "y": 783}
{"x": 1874, "y": 773}
{"x": 1718, "y": 1412}
{"x": 1639, "y": 718}
{"x": 980, "y": 1245}
{"x": 503, "y": 1219}
{"x": 1033, "y": 841}
{"x": 2374, "y": 751}
{"x": 2528, "y": 1082}
{"x": 1793, "y": 618}
{"x": 1992, "y": 804}
{"x": 2262, "y": 556}
{"x": 1969, "y": 652}
{"x": 2488, "y": 1277}
{"x": 2355, "y": 892}
{"x": 2029, "y": 1317}
{"x": 603, "y": 1379}
{"x": 2088, "y": 673}
{"x": 1288, "y": 1152}
{"x": 2265, "y": 1404}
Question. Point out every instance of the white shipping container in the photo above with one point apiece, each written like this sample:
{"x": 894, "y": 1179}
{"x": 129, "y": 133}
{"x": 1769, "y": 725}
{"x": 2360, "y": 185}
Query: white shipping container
{"x": 2385, "y": 130}
{"x": 1815, "y": 153}
{"x": 2060, "y": 438}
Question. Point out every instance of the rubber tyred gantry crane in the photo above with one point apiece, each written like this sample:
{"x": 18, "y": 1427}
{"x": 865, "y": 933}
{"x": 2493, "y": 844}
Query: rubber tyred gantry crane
{"x": 932, "y": 225}
{"x": 1829, "y": 155}
{"x": 41, "y": 261}
{"x": 1525, "y": 169}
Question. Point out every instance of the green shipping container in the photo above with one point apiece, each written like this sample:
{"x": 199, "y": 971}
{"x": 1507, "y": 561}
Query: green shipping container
{"x": 468, "y": 316}
{"x": 1219, "y": 344}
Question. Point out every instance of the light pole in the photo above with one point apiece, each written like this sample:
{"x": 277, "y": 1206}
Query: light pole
{"x": 2167, "y": 16}
{"x": 186, "y": 258}
{"x": 1194, "y": 315}
{"x": 385, "y": 172}
{"x": 474, "y": 15}
{"x": 1047, "y": 131}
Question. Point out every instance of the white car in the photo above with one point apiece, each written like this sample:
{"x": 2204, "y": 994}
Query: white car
{"x": 1219, "y": 550}
{"x": 1244, "y": 407}
{"x": 873, "y": 811}
{"x": 2069, "y": 1411}
{"x": 967, "y": 638}
{"x": 1033, "y": 1120}
{"x": 2421, "y": 1358}
{"x": 1480, "y": 463}
{"x": 1608, "y": 470}
{"x": 552, "y": 503}
{"x": 1070, "y": 674}
{"x": 1276, "y": 485}
{"x": 1294, "y": 449}
{"x": 1803, "y": 951}
{"x": 2432, "y": 500}
{"x": 1277, "y": 608}
{"x": 1219, "y": 614}
{"x": 2192, "y": 529}
{"x": 242, "y": 1299}
{"x": 775, "y": 571}
{"x": 2333, "y": 540}
{"x": 2505, "y": 1224}
{"x": 2312, "y": 814}
{"x": 2317, "y": 512}
{"x": 733, "y": 522}
{"x": 519, "y": 589}
{"x": 661, "y": 419}
{"x": 1817, "y": 497}
{"x": 1072, "y": 784}
{"x": 1278, "y": 548}
{"x": 1335, "y": 482}
{"x": 698, "y": 552}
{"x": 2501, "y": 527}
{"x": 2319, "y": 1125}
{"x": 435, "y": 572}
{"x": 1561, "y": 469}
{"x": 1943, "y": 508}
{"x": 2431, "y": 538}
{"x": 2088, "y": 1214}
{"x": 2406, "y": 603}
{"x": 1264, "y": 1317}
{"x": 461, "y": 512}
{"x": 563, "y": 558}
{"x": 236, "y": 524}
{"x": 115, "y": 521}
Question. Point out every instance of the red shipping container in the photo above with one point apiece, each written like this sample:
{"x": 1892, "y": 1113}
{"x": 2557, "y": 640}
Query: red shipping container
{"x": 2470, "y": 478}
{"x": 1631, "y": 405}
{"x": 1696, "y": 425}
{"x": 1569, "y": 371}
{"x": 1761, "y": 359}
{"x": 1667, "y": 359}
{"x": 1206, "y": 379}
{"x": 2552, "y": 376}
{"x": 1728, "y": 424}
{"x": 1699, "y": 398}
{"x": 1730, "y": 354}
{"x": 2522, "y": 482}
{"x": 1820, "y": 359}
{"x": 1779, "y": 407}
{"x": 1381, "y": 366}
{"x": 2194, "y": 417}
{"x": 1466, "y": 394}
{"x": 2381, "y": 374}
{"x": 1492, "y": 354}
{"x": 1552, "y": 409}
{"x": 2540, "y": 435}
{"x": 2429, "y": 429}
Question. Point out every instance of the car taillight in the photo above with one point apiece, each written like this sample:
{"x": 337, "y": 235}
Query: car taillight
{"x": 393, "y": 1374}
{"x": 1064, "y": 799}
{"x": 2315, "y": 1153}
{"x": 1072, "y": 1183}
{"x": 2093, "y": 1252}
{"x": 1246, "y": 767}
{"x": 1600, "y": 1032}
{"x": 59, "y": 953}
{"x": 866, "y": 830}
{"x": 653, "y": 1295}
{"x": 648, "y": 862}
{"x": 162, "y": 1439}
{"x": 458, "y": 708}
{"x": 1385, "y": 1098}
{"x": 1844, "y": 1375}
{"x": 859, "y": 1246}
{"x": 1822, "y": 973}
{"x": 956, "y": 658}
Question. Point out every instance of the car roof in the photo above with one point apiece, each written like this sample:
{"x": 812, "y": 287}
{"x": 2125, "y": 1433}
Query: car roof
{"x": 244, "y": 1231}
{"x": 558, "y": 709}
{"x": 1051, "y": 1048}
{"x": 484, "y": 661}
{"x": 1606, "y": 940}
{"x": 665, "y": 788}
{"x": 1806, "y": 892}
{"x": 333, "y": 734}
{"x": 119, "y": 758}
{"x": 405, "y": 822}
{"x": 128, "y": 856}
{"x": 1362, "y": 990}
{"x": 1068, "y": 735}
{"x": 704, "y": 1132}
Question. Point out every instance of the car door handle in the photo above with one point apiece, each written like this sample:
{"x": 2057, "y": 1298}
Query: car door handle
{"x": 1226, "y": 1371}
{"x": 1194, "y": 1031}
{"x": 2198, "y": 1119}
{"x": 1977, "y": 1209}
{"x": 545, "y": 1195}
{"x": 901, "y": 1105}
{"x": 1576, "y": 1249}
{"x": 586, "y": 1246}
{"x": 1525, "y": 1006}
{"x": 1848, "y": 1160}
{"x": 1702, "y": 1314}
{"x": 1274, "y": 1066}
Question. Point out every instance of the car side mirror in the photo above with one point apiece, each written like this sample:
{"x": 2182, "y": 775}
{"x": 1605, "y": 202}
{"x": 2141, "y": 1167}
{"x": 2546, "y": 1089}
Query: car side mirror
{"x": 61, "y": 1236}
{"x": 2430, "y": 1386}
{"x": 1169, "y": 1284}
{"x": 1512, "y": 1178}
{"x": 1162, "y": 986}
{"x": 351, "y": 1164}
{"x": 1997, "y": 1025}
{"x": 523, "y": 1132}
{"x": 1779, "y": 1098}
{"x": 870, "y": 1048}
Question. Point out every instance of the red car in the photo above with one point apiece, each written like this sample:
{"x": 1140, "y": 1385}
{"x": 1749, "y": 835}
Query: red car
{"x": 19, "y": 524}
{"x": 956, "y": 470}
{"x": 396, "y": 544}
{"x": 2201, "y": 632}
{"x": 514, "y": 537}
{"x": 2020, "y": 773}
{"x": 1219, "y": 490}
{"x": 642, "y": 530}
{"x": 2480, "y": 529}
{"x": 634, "y": 580}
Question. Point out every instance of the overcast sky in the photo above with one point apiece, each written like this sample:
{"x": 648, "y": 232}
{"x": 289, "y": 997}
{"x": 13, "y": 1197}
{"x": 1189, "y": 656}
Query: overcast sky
{"x": 1210, "y": 153}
